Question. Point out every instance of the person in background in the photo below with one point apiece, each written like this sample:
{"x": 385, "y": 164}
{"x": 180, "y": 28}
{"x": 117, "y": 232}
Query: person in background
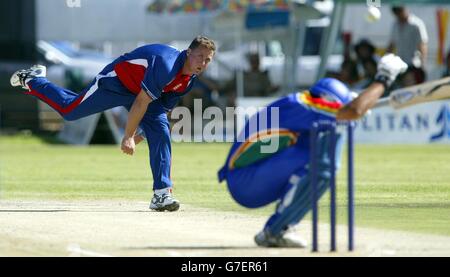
{"x": 257, "y": 82}
{"x": 349, "y": 72}
{"x": 447, "y": 66}
{"x": 409, "y": 38}
{"x": 412, "y": 76}
{"x": 369, "y": 70}
{"x": 365, "y": 51}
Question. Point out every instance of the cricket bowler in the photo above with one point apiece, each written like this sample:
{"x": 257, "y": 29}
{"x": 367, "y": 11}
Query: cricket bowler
{"x": 255, "y": 178}
{"x": 148, "y": 81}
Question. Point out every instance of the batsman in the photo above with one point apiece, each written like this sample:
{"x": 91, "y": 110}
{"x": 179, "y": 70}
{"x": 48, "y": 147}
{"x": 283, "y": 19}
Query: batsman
{"x": 148, "y": 81}
{"x": 256, "y": 178}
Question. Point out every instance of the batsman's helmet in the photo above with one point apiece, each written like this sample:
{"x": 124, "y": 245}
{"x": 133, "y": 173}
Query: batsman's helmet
{"x": 332, "y": 89}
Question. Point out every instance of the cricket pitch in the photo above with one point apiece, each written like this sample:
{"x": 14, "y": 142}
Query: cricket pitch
{"x": 127, "y": 228}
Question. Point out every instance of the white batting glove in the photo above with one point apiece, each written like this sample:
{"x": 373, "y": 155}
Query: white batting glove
{"x": 389, "y": 67}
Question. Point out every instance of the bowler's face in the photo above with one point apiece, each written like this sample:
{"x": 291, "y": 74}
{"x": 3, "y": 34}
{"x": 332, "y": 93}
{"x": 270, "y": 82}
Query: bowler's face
{"x": 198, "y": 59}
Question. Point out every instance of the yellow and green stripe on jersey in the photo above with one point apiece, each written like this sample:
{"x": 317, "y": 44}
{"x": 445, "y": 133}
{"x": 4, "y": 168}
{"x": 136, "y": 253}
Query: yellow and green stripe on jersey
{"x": 250, "y": 152}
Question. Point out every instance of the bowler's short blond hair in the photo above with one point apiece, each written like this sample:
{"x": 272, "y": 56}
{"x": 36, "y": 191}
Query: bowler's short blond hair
{"x": 203, "y": 41}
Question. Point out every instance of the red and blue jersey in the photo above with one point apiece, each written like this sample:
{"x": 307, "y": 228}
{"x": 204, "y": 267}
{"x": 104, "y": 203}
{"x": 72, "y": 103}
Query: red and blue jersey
{"x": 296, "y": 114}
{"x": 156, "y": 69}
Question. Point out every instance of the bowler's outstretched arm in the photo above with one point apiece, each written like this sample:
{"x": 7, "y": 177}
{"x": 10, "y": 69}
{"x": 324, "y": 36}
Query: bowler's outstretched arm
{"x": 137, "y": 111}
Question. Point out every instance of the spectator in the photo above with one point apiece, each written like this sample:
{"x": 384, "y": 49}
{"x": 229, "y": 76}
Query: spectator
{"x": 369, "y": 69}
{"x": 256, "y": 81}
{"x": 409, "y": 37}
{"x": 411, "y": 77}
{"x": 365, "y": 53}
{"x": 349, "y": 72}
{"x": 364, "y": 50}
{"x": 447, "y": 66}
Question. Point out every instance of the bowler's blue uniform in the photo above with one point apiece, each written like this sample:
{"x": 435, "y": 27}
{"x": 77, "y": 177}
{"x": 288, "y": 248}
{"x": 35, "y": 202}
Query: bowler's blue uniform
{"x": 154, "y": 68}
{"x": 256, "y": 179}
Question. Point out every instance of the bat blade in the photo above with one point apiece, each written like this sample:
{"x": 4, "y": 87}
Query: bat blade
{"x": 422, "y": 93}
{"x": 382, "y": 102}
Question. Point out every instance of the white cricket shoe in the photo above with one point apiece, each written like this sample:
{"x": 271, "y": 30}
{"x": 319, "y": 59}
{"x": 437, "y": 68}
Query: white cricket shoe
{"x": 164, "y": 201}
{"x": 289, "y": 239}
{"x": 22, "y": 77}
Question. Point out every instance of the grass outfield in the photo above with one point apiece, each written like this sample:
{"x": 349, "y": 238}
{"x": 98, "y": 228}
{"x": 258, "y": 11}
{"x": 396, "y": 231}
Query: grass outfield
{"x": 397, "y": 187}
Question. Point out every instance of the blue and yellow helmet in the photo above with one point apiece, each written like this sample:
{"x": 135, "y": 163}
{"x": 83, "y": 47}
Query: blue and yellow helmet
{"x": 332, "y": 89}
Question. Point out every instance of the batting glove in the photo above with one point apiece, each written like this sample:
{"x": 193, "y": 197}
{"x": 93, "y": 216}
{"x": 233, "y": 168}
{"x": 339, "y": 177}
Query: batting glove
{"x": 389, "y": 67}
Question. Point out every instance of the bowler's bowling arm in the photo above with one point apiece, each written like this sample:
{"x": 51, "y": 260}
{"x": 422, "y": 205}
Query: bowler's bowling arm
{"x": 136, "y": 113}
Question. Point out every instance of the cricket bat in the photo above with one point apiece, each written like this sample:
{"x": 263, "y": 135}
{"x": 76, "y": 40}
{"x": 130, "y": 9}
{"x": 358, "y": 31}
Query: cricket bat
{"x": 426, "y": 92}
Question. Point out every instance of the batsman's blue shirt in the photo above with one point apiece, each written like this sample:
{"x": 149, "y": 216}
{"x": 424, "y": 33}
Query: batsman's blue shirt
{"x": 296, "y": 114}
